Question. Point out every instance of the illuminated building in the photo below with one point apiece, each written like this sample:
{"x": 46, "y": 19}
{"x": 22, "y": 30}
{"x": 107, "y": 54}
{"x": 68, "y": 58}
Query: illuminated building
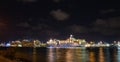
{"x": 70, "y": 42}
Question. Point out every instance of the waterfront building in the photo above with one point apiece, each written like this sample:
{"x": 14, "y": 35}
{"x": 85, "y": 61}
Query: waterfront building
{"x": 69, "y": 42}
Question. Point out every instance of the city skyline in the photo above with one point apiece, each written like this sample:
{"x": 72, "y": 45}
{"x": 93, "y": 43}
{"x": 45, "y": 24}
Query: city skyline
{"x": 43, "y": 19}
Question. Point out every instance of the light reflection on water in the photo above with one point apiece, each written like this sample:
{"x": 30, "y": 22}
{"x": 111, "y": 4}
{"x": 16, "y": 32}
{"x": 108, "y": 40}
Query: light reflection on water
{"x": 84, "y": 55}
{"x": 101, "y": 55}
{"x": 69, "y": 54}
{"x": 118, "y": 55}
{"x": 92, "y": 56}
{"x": 107, "y": 54}
{"x": 51, "y": 55}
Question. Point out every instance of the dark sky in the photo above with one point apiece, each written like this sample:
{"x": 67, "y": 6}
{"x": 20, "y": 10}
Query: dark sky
{"x": 44, "y": 19}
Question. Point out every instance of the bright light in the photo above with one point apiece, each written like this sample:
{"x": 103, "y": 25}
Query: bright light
{"x": 8, "y": 45}
{"x": 19, "y": 45}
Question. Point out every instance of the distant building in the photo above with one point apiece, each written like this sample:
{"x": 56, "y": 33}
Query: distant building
{"x": 71, "y": 41}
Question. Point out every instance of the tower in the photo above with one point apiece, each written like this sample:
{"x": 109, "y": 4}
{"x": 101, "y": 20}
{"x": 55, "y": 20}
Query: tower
{"x": 71, "y": 37}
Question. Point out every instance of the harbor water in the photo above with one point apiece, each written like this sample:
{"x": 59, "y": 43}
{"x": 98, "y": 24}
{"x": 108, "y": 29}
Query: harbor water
{"x": 79, "y": 54}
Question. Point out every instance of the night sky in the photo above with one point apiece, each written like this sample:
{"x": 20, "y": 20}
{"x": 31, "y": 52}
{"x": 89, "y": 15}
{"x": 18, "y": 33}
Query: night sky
{"x": 44, "y": 19}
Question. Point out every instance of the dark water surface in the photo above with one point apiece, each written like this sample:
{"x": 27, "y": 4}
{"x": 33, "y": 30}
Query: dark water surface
{"x": 65, "y": 54}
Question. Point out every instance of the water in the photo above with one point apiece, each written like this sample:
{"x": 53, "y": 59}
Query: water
{"x": 64, "y": 54}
